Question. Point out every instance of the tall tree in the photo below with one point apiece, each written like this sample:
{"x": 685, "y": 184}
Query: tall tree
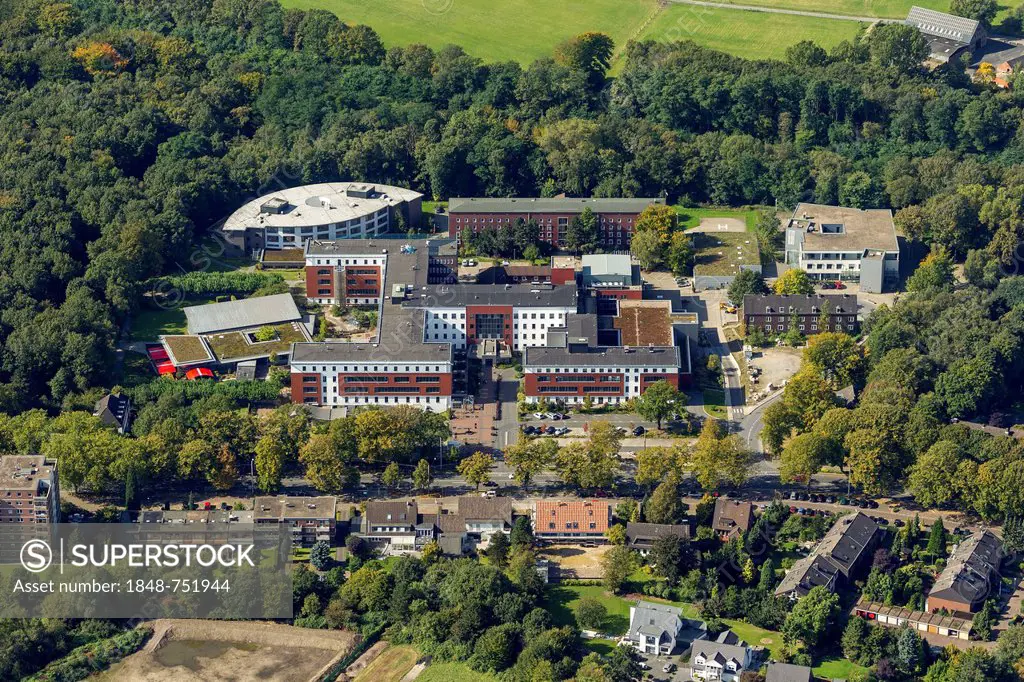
{"x": 476, "y": 468}
{"x": 659, "y": 401}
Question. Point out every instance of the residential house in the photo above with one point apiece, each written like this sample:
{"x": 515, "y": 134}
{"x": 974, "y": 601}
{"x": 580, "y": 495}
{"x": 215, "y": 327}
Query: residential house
{"x": 724, "y": 658}
{"x": 838, "y": 558}
{"x": 311, "y": 518}
{"x": 787, "y": 672}
{"x": 475, "y": 522}
{"x": 396, "y": 526}
{"x": 732, "y": 518}
{"x": 659, "y": 629}
{"x": 571, "y": 520}
{"x": 969, "y": 577}
{"x": 640, "y": 537}
{"x": 114, "y": 409}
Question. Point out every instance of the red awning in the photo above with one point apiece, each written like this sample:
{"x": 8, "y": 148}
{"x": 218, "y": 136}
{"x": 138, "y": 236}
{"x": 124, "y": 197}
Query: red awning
{"x": 198, "y": 373}
{"x": 165, "y": 367}
{"x": 157, "y": 353}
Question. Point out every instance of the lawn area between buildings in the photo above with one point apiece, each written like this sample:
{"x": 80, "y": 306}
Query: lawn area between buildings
{"x": 691, "y": 217}
{"x": 837, "y": 669}
{"x": 390, "y": 666}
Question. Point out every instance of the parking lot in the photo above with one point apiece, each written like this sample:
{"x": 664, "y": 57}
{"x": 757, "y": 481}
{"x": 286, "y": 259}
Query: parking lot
{"x": 680, "y": 673}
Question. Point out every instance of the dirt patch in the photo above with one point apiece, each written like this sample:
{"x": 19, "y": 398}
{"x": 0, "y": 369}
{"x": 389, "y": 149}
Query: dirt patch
{"x": 575, "y": 561}
{"x": 186, "y": 650}
{"x": 777, "y": 364}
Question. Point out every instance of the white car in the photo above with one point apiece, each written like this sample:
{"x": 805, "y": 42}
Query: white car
{"x": 539, "y": 415}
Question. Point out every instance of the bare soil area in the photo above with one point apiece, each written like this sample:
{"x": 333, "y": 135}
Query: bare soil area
{"x": 215, "y": 651}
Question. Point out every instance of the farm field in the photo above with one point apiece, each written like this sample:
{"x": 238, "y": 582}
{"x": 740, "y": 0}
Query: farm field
{"x": 752, "y": 35}
{"x": 494, "y": 32}
{"x": 517, "y": 30}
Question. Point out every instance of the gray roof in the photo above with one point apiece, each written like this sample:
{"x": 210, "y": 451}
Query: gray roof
{"x": 967, "y": 576}
{"x": 655, "y": 619}
{"x": 112, "y": 409}
{"x": 550, "y": 205}
{"x": 732, "y": 516}
{"x": 517, "y": 295}
{"x": 242, "y": 314}
{"x": 787, "y": 672}
{"x": 837, "y": 553}
{"x": 774, "y": 304}
{"x": 602, "y": 356}
{"x": 604, "y": 266}
{"x": 486, "y": 509}
{"x": 942, "y": 25}
{"x": 395, "y": 350}
{"x": 391, "y": 513}
{"x": 716, "y": 651}
{"x": 645, "y": 533}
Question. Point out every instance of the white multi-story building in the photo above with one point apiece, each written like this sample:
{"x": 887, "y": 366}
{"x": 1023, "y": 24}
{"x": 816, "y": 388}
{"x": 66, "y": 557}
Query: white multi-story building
{"x": 339, "y": 374}
{"x": 286, "y": 219}
{"x": 848, "y": 244}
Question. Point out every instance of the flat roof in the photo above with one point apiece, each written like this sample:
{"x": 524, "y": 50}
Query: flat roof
{"x": 604, "y": 356}
{"x": 321, "y": 204}
{"x": 644, "y": 323}
{"x": 24, "y": 472}
{"x": 863, "y": 229}
{"x": 550, "y": 205}
{"x": 516, "y": 295}
{"x": 601, "y": 264}
{"x": 241, "y": 314}
{"x": 284, "y": 507}
{"x": 393, "y": 351}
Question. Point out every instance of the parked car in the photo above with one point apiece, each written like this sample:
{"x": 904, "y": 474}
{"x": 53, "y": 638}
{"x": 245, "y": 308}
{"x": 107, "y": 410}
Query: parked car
{"x": 550, "y": 430}
{"x": 490, "y": 484}
{"x": 792, "y": 495}
{"x": 639, "y": 431}
{"x": 898, "y": 523}
{"x": 538, "y": 415}
{"x": 873, "y": 504}
{"x": 555, "y": 416}
{"x": 668, "y": 667}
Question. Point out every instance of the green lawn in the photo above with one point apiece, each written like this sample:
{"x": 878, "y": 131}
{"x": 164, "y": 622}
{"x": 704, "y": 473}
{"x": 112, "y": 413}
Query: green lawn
{"x": 515, "y": 30}
{"x": 691, "y": 217}
{"x": 838, "y": 668}
{"x": 714, "y": 403}
{"x": 753, "y": 35}
{"x": 723, "y": 253}
{"x": 453, "y": 672}
{"x": 601, "y": 646}
{"x": 562, "y": 598}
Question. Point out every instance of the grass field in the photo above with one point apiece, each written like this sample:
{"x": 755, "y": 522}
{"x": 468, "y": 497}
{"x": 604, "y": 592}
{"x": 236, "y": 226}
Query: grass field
{"x": 453, "y": 672}
{"x": 753, "y": 35}
{"x": 516, "y": 30}
{"x": 723, "y": 253}
{"x": 390, "y": 666}
{"x": 691, "y": 217}
{"x": 837, "y": 669}
{"x": 714, "y": 403}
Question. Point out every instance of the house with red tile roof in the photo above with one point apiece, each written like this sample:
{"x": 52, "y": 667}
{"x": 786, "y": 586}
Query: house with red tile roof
{"x": 571, "y": 520}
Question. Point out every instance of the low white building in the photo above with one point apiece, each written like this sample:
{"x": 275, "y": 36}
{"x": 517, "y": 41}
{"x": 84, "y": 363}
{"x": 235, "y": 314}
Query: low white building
{"x": 660, "y": 629}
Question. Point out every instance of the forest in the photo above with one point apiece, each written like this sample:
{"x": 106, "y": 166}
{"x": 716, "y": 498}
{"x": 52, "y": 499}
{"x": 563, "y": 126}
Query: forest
{"x": 128, "y": 129}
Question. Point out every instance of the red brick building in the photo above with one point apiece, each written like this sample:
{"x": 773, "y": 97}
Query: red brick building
{"x": 616, "y": 216}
